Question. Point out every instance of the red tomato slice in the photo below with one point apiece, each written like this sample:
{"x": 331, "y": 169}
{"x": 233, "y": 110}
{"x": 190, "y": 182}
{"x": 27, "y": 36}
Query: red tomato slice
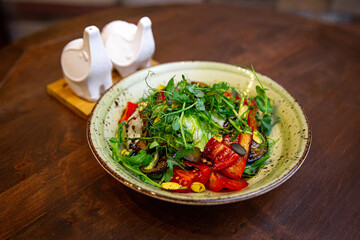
{"x": 204, "y": 174}
{"x": 184, "y": 178}
{"x": 216, "y": 182}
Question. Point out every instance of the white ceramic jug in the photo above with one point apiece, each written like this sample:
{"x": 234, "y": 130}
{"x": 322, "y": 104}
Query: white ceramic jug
{"x": 86, "y": 66}
{"x": 129, "y": 47}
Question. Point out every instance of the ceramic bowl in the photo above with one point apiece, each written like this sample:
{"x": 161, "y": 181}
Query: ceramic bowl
{"x": 292, "y": 130}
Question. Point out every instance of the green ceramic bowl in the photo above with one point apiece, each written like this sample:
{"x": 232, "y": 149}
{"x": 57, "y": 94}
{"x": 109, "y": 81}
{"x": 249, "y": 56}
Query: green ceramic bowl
{"x": 289, "y": 153}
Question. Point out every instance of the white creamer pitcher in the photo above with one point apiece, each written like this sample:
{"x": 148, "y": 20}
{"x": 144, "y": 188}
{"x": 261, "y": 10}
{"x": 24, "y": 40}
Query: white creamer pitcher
{"x": 129, "y": 46}
{"x": 86, "y": 66}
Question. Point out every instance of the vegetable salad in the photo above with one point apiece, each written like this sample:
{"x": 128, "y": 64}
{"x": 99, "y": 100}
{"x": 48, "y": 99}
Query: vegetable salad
{"x": 189, "y": 137}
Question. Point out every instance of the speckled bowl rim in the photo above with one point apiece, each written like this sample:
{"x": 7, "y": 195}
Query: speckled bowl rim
{"x": 261, "y": 191}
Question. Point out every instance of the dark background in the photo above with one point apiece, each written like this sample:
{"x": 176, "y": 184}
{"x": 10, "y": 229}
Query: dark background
{"x": 22, "y": 17}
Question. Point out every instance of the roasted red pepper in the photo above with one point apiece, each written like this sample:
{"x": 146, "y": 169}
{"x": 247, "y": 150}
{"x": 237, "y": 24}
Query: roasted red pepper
{"x": 217, "y": 182}
{"x": 130, "y": 109}
{"x": 236, "y": 170}
{"x": 221, "y": 155}
{"x": 252, "y": 120}
{"x": 229, "y": 94}
{"x": 161, "y": 96}
{"x": 235, "y": 184}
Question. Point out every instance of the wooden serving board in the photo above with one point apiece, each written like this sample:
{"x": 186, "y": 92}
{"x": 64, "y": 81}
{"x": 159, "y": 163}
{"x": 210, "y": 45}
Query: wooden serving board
{"x": 62, "y": 92}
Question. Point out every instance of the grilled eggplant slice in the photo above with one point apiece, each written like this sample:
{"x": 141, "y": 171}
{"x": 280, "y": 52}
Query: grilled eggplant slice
{"x": 258, "y": 150}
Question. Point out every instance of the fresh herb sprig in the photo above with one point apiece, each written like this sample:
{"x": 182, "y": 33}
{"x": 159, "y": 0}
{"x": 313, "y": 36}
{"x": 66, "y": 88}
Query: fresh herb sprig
{"x": 264, "y": 105}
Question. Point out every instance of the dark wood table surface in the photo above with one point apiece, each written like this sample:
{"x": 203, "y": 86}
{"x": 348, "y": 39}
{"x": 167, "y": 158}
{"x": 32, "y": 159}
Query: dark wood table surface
{"x": 51, "y": 186}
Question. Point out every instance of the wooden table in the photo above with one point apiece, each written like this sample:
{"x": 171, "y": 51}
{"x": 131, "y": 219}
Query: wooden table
{"x": 51, "y": 186}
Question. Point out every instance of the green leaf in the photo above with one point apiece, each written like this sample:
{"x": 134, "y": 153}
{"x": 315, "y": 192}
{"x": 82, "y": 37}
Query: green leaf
{"x": 199, "y": 93}
{"x": 269, "y": 108}
{"x": 170, "y": 87}
{"x": 140, "y": 159}
{"x": 252, "y": 169}
{"x": 260, "y": 103}
{"x": 114, "y": 140}
{"x": 168, "y": 175}
{"x": 153, "y": 144}
{"x": 180, "y": 97}
{"x": 200, "y": 105}
{"x": 221, "y": 87}
{"x": 122, "y": 132}
{"x": 182, "y": 153}
{"x": 176, "y": 124}
{"x": 266, "y": 125}
{"x": 260, "y": 92}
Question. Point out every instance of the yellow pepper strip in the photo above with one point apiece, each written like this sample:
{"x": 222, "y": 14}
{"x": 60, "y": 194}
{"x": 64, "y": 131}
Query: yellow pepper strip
{"x": 256, "y": 137}
{"x": 218, "y": 138}
{"x": 124, "y": 151}
{"x": 156, "y": 120}
{"x": 160, "y": 87}
{"x": 242, "y": 110}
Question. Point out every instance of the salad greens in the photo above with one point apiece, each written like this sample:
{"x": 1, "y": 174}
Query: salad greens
{"x": 180, "y": 119}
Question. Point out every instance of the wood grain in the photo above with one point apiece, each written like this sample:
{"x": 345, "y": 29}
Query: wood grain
{"x": 51, "y": 187}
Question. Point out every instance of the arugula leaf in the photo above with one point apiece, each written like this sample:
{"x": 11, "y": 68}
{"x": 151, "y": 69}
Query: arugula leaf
{"x": 252, "y": 169}
{"x": 121, "y": 132}
{"x": 135, "y": 169}
{"x": 138, "y": 160}
{"x": 182, "y": 153}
